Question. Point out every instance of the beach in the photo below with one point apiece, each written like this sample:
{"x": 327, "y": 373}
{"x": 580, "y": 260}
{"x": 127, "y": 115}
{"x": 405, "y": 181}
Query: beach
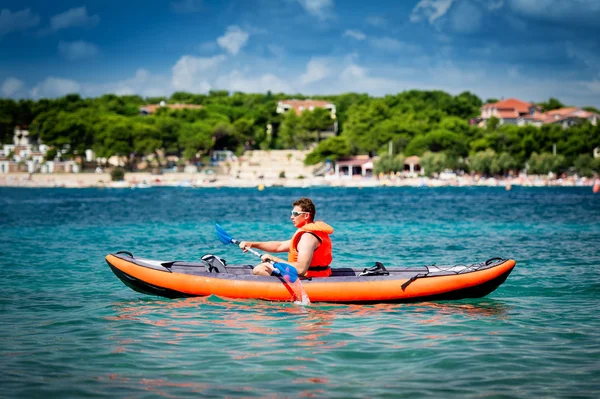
{"x": 146, "y": 180}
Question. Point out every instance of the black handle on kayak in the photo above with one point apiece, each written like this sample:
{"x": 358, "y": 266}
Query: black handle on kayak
{"x": 126, "y": 253}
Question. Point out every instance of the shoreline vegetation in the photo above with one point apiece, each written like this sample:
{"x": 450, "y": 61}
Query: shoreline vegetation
{"x": 141, "y": 180}
{"x": 447, "y": 133}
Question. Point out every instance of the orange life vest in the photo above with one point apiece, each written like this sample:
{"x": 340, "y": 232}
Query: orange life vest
{"x": 319, "y": 265}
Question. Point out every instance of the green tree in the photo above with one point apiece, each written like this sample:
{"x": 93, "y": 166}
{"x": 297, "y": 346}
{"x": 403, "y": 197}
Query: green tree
{"x": 314, "y": 122}
{"x": 482, "y": 162}
{"x": 195, "y": 137}
{"x": 332, "y": 148}
{"x": 438, "y": 140}
{"x": 585, "y": 165}
{"x": 389, "y": 164}
{"x": 289, "y": 131}
{"x": 544, "y": 163}
{"x": 492, "y": 123}
{"x": 434, "y": 163}
{"x": 551, "y": 104}
{"x": 503, "y": 163}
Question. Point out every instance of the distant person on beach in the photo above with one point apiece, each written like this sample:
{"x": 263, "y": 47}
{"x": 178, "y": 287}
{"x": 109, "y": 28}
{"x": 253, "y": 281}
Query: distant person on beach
{"x": 309, "y": 250}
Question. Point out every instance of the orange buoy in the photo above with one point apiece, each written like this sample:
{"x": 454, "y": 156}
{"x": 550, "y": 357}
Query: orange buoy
{"x": 596, "y": 188}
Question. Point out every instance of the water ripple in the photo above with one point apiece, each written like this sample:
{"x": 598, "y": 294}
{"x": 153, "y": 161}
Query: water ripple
{"x": 71, "y": 329}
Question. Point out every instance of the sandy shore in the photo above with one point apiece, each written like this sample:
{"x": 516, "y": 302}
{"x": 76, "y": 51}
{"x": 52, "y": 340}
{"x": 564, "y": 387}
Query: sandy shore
{"x": 145, "y": 180}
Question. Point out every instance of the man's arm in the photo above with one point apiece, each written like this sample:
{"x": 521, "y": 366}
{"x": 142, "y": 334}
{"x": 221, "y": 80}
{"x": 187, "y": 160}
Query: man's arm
{"x": 268, "y": 246}
{"x": 306, "y": 248}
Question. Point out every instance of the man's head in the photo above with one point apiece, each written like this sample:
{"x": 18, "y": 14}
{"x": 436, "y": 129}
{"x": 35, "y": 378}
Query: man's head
{"x": 304, "y": 212}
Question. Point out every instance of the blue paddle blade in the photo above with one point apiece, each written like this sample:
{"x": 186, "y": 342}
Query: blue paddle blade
{"x": 288, "y": 272}
{"x": 222, "y": 235}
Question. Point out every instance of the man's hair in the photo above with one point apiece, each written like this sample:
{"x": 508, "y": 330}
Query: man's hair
{"x": 307, "y": 206}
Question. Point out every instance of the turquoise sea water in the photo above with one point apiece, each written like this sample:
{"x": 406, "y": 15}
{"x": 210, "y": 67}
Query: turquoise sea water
{"x": 70, "y": 328}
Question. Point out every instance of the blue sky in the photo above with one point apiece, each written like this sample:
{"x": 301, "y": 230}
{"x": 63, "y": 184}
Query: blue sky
{"x": 529, "y": 49}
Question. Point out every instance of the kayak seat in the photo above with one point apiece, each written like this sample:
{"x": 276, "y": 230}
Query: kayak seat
{"x": 214, "y": 264}
{"x": 342, "y": 272}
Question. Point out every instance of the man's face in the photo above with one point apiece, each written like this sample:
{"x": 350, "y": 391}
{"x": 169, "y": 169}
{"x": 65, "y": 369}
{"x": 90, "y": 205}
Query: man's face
{"x": 299, "y": 217}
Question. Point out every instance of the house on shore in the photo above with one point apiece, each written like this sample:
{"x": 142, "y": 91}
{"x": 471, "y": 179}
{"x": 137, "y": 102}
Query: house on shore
{"x": 362, "y": 166}
{"x": 152, "y": 108}
{"x": 357, "y": 166}
{"x": 511, "y": 112}
{"x": 299, "y": 106}
{"x": 521, "y": 113}
{"x": 570, "y": 116}
{"x": 26, "y": 157}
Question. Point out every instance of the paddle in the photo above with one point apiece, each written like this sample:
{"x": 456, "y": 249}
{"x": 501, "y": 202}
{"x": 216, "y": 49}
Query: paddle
{"x": 285, "y": 270}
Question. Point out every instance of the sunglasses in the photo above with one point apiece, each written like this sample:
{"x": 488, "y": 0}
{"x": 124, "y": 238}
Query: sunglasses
{"x": 295, "y": 214}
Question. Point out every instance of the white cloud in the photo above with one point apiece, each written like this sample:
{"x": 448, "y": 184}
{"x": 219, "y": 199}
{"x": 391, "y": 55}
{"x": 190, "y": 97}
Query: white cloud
{"x": 208, "y": 47}
{"x": 494, "y": 5}
{"x": 17, "y": 21}
{"x": 513, "y": 72}
{"x": 11, "y": 86}
{"x": 234, "y": 39}
{"x": 352, "y": 72}
{"x": 430, "y": 10}
{"x": 466, "y": 17}
{"x": 315, "y": 70}
{"x": 355, "y": 78}
{"x": 358, "y": 35}
{"x": 593, "y": 86}
{"x": 558, "y": 10}
{"x": 318, "y": 8}
{"x": 77, "y": 50}
{"x": 193, "y": 73}
{"x": 187, "y": 6}
{"x": 236, "y": 81}
{"x": 55, "y": 87}
{"x": 391, "y": 44}
{"x": 75, "y": 17}
{"x": 142, "y": 83}
{"x": 573, "y": 12}
{"x": 589, "y": 57}
{"x": 276, "y": 51}
{"x": 378, "y": 22}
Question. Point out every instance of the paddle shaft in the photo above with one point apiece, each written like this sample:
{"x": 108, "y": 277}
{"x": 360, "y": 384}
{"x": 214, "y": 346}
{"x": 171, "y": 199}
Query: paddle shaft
{"x": 252, "y": 251}
{"x": 279, "y": 268}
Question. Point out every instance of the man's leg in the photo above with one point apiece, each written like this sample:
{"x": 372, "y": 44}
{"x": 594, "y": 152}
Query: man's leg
{"x": 262, "y": 269}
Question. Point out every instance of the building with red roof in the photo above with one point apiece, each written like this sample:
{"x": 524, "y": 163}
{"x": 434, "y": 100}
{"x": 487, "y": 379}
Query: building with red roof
{"x": 151, "y": 108}
{"x": 299, "y": 106}
{"x": 510, "y": 111}
{"x": 521, "y": 113}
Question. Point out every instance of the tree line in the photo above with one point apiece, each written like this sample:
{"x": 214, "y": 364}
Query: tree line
{"x": 431, "y": 124}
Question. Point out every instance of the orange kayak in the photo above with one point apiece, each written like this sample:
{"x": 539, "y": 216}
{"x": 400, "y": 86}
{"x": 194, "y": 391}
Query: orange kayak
{"x": 179, "y": 279}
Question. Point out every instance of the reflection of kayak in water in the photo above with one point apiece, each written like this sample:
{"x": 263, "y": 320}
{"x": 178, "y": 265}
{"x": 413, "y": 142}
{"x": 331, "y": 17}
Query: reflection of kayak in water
{"x": 179, "y": 279}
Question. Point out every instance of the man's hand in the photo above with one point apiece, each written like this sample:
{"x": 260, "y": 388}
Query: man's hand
{"x": 268, "y": 258}
{"x": 244, "y": 245}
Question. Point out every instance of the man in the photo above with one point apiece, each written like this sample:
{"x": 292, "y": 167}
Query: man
{"x": 309, "y": 250}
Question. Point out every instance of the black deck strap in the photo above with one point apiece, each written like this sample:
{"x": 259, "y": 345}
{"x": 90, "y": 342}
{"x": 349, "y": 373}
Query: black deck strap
{"x": 214, "y": 264}
{"x": 487, "y": 262}
{"x": 126, "y": 253}
{"x": 377, "y": 270}
{"x": 413, "y": 278}
{"x": 318, "y": 268}
{"x": 170, "y": 264}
